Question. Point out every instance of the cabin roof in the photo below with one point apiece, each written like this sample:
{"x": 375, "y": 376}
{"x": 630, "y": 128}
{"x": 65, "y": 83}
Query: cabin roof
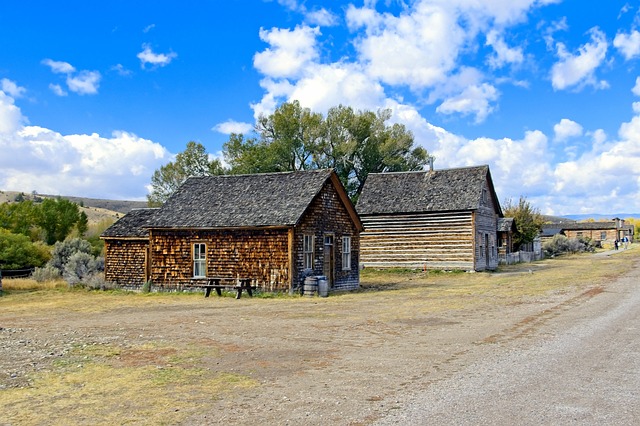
{"x": 236, "y": 201}
{"x": 506, "y": 224}
{"x": 426, "y": 191}
{"x": 132, "y": 225}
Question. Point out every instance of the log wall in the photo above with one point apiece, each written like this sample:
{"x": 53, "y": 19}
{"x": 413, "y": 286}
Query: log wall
{"x": 442, "y": 240}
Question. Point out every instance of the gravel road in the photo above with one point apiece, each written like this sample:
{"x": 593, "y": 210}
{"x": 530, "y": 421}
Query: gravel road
{"x": 582, "y": 367}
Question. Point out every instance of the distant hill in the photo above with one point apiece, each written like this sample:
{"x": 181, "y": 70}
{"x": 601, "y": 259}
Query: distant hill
{"x": 599, "y": 217}
{"x": 97, "y": 210}
{"x": 117, "y": 206}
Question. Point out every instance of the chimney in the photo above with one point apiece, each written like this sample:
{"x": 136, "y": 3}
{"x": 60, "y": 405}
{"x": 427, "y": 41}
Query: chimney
{"x": 431, "y": 159}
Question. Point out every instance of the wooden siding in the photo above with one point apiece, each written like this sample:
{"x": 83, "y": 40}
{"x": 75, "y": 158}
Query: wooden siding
{"x": 486, "y": 223}
{"x": 125, "y": 262}
{"x": 443, "y": 240}
{"x": 260, "y": 254}
{"x": 328, "y": 216}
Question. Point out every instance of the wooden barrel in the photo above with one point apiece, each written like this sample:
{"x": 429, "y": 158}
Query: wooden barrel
{"x": 310, "y": 286}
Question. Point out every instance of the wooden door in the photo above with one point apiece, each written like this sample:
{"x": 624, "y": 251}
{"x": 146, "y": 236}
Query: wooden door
{"x": 329, "y": 261}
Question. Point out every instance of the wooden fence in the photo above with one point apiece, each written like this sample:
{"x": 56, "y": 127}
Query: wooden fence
{"x": 520, "y": 257}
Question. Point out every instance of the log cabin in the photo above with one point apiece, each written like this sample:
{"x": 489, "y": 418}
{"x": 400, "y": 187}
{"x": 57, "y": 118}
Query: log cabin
{"x": 274, "y": 228}
{"x": 435, "y": 219}
{"x": 601, "y": 233}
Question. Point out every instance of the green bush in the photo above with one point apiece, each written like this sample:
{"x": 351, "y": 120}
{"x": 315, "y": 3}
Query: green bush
{"x": 63, "y": 250}
{"x": 17, "y": 251}
{"x": 46, "y": 273}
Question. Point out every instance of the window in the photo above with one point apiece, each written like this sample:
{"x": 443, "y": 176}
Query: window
{"x": 308, "y": 251}
{"x": 579, "y": 234}
{"x": 199, "y": 260}
{"x": 484, "y": 196}
{"x": 346, "y": 253}
{"x": 603, "y": 235}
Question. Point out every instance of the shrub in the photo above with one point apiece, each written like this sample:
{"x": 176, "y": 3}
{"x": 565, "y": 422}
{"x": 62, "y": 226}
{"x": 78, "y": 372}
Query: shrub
{"x": 46, "y": 273}
{"x": 17, "y": 251}
{"x": 560, "y": 244}
{"x": 79, "y": 267}
{"x": 64, "y": 250}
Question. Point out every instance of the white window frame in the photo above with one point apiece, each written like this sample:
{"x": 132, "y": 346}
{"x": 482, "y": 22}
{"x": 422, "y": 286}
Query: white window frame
{"x": 308, "y": 245}
{"x": 199, "y": 260}
{"x": 346, "y": 252}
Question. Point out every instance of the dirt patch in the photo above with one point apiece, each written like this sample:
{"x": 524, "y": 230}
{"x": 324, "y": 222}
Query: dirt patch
{"x": 346, "y": 359}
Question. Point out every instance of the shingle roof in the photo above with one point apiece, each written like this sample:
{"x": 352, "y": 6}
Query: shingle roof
{"x": 576, "y": 226}
{"x": 415, "y": 192}
{"x": 505, "y": 224}
{"x": 235, "y": 201}
{"x": 131, "y": 225}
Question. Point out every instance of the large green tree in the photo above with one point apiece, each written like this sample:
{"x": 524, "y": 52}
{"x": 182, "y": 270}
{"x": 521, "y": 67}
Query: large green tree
{"x": 354, "y": 143}
{"x": 528, "y": 220}
{"x": 57, "y": 217}
{"x": 17, "y": 251}
{"x": 193, "y": 161}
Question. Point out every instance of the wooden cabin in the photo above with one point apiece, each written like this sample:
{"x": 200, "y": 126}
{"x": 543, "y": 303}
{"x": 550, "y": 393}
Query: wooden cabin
{"x": 436, "y": 219}
{"x": 506, "y": 231}
{"x": 601, "y": 233}
{"x": 126, "y": 248}
{"x": 273, "y": 228}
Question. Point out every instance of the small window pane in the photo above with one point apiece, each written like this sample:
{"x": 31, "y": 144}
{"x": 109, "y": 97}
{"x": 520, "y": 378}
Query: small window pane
{"x": 346, "y": 253}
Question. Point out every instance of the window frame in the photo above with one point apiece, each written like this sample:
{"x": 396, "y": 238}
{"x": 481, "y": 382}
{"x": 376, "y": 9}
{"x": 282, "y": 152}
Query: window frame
{"x": 308, "y": 251}
{"x": 346, "y": 252}
{"x": 199, "y": 258}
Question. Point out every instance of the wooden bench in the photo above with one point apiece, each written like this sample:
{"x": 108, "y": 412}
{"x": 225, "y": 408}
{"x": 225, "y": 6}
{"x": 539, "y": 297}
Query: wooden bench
{"x": 215, "y": 283}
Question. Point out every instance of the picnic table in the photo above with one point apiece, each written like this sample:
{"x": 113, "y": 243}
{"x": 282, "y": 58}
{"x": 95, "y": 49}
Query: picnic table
{"x": 237, "y": 284}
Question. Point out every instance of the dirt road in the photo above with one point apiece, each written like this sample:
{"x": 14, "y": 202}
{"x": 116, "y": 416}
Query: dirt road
{"x": 380, "y": 355}
{"x": 581, "y": 368}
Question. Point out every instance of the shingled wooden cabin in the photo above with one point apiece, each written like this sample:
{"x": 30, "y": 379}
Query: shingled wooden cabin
{"x": 436, "y": 219}
{"x": 126, "y": 245}
{"x": 274, "y": 228}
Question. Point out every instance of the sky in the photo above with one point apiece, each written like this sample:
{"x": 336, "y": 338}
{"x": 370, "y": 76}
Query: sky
{"x": 96, "y": 96}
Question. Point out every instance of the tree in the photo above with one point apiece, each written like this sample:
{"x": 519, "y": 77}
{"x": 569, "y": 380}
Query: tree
{"x": 83, "y": 223}
{"x": 17, "y": 251}
{"x": 353, "y": 143}
{"x": 57, "y": 217}
{"x": 527, "y": 218}
{"x": 193, "y": 161}
{"x": 18, "y": 217}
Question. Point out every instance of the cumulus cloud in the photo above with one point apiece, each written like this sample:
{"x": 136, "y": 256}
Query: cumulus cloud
{"x": 567, "y": 129}
{"x": 577, "y": 70}
{"x": 83, "y": 82}
{"x": 503, "y": 54}
{"x": 290, "y": 52}
{"x": 149, "y": 57}
{"x": 628, "y": 44}
{"x": 57, "y": 89}
{"x": 322, "y": 17}
{"x": 232, "y": 126}
{"x": 59, "y": 67}
{"x": 11, "y": 88}
{"x": 44, "y": 160}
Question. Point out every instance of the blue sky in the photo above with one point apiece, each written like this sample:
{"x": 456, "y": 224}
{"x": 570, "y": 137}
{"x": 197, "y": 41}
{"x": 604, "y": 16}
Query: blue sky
{"x": 95, "y": 97}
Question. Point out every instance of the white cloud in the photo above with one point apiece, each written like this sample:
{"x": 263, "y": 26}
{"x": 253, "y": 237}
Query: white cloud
{"x": 232, "y": 126}
{"x": 475, "y": 100}
{"x": 148, "y": 28}
{"x": 11, "y": 118}
{"x": 636, "y": 88}
{"x": 84, "y": 83}
{"x": 503, "y": 54}
{"x": 11, "y": 88}
{"x": 59, "y": 67}
{"x": 290, "y": 52}
{"x": 579, "y": 69}
{"x": 117, "y": 167}
{"x": 566, "y": 129}
{"x": 121, "y": 70}
{"x": 57, "y": 89}
{"x": 322, "y": 17}
{"x": 147, "y": 56}
{"x": 628, "y": 44}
